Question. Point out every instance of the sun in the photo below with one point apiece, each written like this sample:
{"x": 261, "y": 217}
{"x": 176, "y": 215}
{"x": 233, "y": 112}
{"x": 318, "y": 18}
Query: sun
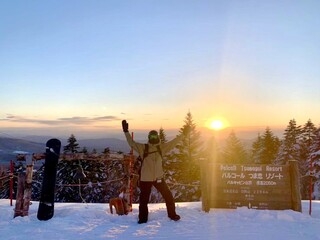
{"x": 216, "y": 125}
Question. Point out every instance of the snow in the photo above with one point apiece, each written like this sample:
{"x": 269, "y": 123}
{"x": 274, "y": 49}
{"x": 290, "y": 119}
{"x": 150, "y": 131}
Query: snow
{"x": 316, "y": 153}
{"x": 20, "y": 152}
{"x": 94, "y": 221}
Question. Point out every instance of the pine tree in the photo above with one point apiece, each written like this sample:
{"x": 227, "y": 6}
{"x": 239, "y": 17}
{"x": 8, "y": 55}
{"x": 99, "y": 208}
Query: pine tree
{"x": 162, "y": 135}
{"x": 106, "y": 150}
{"x": 308, "y": 134}
{"x": 189, "y": 149}
{"x": 269, "y": 147}
{"x": 313, "y": 161}
{"x": 234, "y": 152}
{"x": 72, "y": 146}
{"x": 256, "y": 151}
{"x": 84, "y": 150}
{"x": 185, "y": 163}
{"x": 289, "y": 148}
{"x": 305, "y": 157}
{"x": 102, "y": 180}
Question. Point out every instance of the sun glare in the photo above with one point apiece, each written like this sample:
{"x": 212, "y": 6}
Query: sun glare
{"x": 217, "y": 124}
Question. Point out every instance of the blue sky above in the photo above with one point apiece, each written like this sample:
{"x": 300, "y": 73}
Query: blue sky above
{"x": 88, "y": 64}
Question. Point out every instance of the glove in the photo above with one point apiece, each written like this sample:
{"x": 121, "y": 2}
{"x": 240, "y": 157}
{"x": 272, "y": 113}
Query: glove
{"x": 125, "y": 126}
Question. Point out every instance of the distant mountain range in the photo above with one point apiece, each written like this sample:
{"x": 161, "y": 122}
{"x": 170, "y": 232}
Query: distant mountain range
{"x": 9, "y": 147}
{"x": 36, "y": 144}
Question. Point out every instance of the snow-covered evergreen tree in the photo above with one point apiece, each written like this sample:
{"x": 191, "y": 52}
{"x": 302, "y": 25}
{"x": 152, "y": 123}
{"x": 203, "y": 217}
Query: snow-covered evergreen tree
{"x": 269, "y": 146}
{"x": 103, "y": 178}
{"x": 313, "y": 161}
{"x": 308, "y": 136}
{"x": 234, "y": 151}
{"x": 289, "y": 148}
{"x": 72, "y": 146}
{"x": 183, "y": 163}
{"x": 296, "y": 145}
{"x": 256, "y": 149}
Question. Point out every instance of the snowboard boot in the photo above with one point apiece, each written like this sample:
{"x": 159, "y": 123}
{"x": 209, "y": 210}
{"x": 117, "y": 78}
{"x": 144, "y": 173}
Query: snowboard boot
{"x": 175, "y": 217}
{"x": 140, "y": 221}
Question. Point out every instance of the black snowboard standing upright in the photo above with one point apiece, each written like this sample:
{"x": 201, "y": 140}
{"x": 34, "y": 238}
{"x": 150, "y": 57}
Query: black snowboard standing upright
{"x": 46, "y": 204}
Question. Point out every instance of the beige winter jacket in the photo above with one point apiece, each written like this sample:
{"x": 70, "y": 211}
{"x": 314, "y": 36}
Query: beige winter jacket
{"x": 151, "y": 169}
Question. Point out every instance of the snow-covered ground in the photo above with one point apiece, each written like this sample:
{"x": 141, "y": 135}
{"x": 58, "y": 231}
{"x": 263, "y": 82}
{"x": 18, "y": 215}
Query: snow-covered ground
{"x": 77, "y": 221}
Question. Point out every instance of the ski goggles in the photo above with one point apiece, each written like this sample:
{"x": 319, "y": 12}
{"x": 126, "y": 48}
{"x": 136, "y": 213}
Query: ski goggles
{"x": 153, "y": 136}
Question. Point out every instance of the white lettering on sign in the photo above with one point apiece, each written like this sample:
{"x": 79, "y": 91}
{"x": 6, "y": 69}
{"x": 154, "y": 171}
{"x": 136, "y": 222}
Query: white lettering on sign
{"x": 266, "y": 183}
{"x": 260, "y": 191}
{"x": 251, "y": 168}
{"x": 228, "y": 167}
{"x": 255, "y": 175}
{"x": 232, "y": 175}
{"x": 232, "y": 191}
{"x": 240, "y": 183}
{"x": 274, "y": 176}
{"x": 274, "y": 168}
{"x": 251, "y": 185}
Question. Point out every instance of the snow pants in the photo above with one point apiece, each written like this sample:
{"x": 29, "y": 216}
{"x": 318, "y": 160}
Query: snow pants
{"x": 145, "y": 191}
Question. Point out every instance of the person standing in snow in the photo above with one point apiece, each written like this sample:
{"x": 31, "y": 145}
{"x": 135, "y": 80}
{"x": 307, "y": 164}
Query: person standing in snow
{"x": 152, "y": 171}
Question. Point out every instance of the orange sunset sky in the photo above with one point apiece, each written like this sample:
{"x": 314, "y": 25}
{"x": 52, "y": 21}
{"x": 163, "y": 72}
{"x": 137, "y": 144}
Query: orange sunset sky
{"x": 82, "y": 66}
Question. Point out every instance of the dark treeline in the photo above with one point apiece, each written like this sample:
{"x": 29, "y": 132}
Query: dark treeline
{"x": 96, "y": 181}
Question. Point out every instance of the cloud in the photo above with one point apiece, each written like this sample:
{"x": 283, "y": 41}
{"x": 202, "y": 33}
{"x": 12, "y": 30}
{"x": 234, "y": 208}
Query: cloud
{"x": 106, "y": 118}
{"x": 76, "y": 120}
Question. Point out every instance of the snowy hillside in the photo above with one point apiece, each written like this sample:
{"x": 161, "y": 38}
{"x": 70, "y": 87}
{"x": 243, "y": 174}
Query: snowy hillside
{"x": 94, "y": 221}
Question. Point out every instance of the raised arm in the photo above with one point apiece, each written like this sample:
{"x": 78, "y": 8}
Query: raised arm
{"x": 168, "y": 146}
{"x": 138, "y": 147}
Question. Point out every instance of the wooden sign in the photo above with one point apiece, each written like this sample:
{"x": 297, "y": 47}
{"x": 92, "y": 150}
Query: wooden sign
{"x": 254, "y": 186}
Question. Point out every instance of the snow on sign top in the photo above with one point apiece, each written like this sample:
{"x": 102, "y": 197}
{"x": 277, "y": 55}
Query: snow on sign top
{"x": 20, "y": 152}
